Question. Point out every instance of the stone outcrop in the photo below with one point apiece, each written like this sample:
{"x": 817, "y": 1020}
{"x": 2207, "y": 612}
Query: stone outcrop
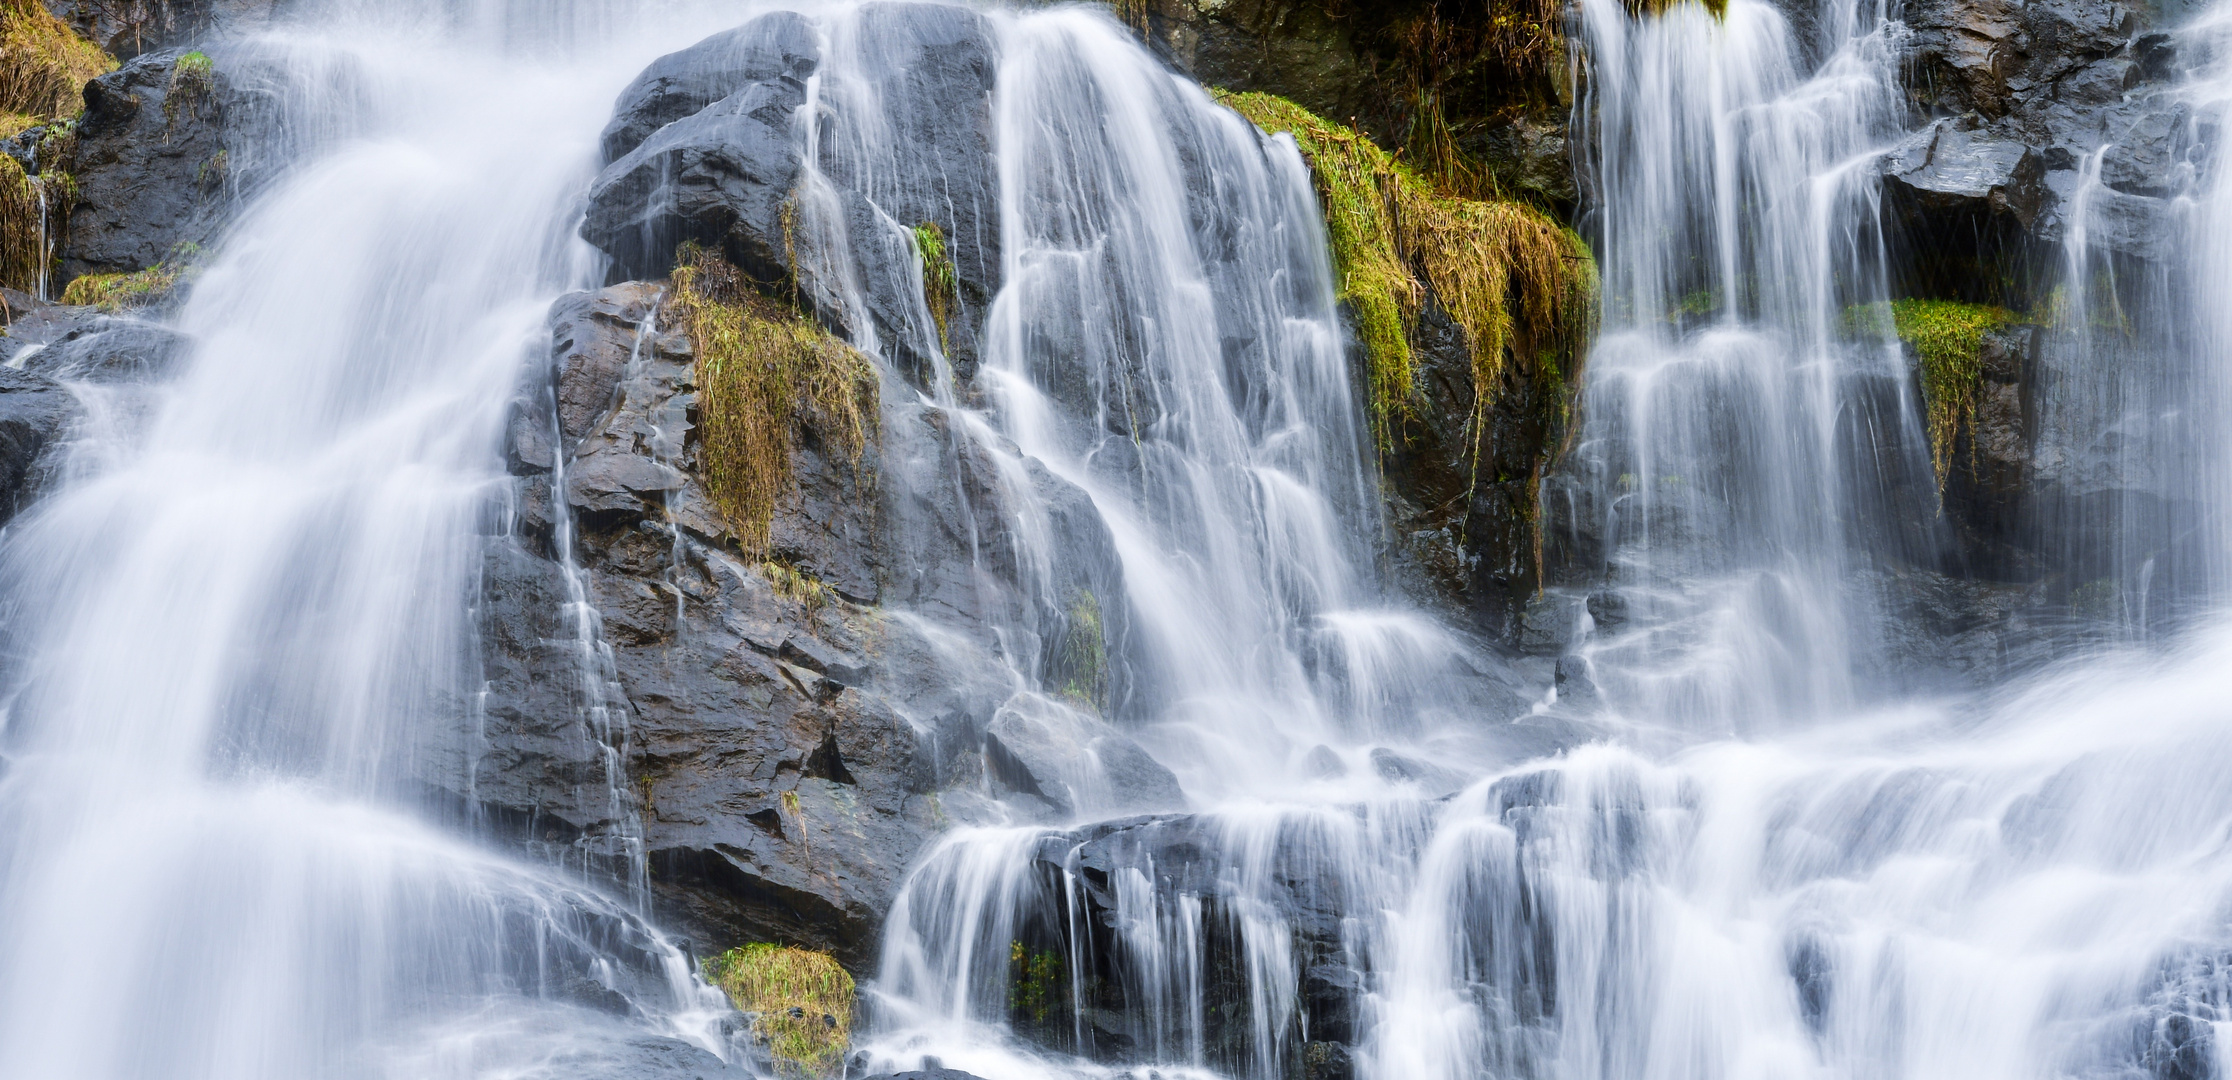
{"x": 778, "y": 739}
{"x": 728, "y": 171}
{"x": 151, "y": 165}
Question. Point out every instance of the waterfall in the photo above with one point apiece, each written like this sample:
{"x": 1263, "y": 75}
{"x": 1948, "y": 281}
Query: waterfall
{"x": 241, "y": 630}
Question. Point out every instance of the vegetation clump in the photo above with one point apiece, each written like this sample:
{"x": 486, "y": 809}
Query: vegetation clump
{"x": 193, "y": 86}
{"x": 1948, "y": 339}
{"x": 764, "y": 371}
{"x": 795, "y": 585}
{"x": 940, "y": 288}
{"x": 1038, "y": 986}
{"x": 44, "y": 66}
{"x": 1520, "y": 285}
{"x": 113, "y": 293}
{"x": 800, "y": 1004}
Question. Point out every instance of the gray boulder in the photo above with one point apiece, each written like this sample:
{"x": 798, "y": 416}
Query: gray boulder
{"x": 775, "y": 47}
{"x": 151, "y": 165}
{"x": 728, "y": 174}
{"x": 34, "y": 411}
{"x": 1076, "y": 763}
{"x": 1946, "y": 171}
{"x": 123, "y": 351}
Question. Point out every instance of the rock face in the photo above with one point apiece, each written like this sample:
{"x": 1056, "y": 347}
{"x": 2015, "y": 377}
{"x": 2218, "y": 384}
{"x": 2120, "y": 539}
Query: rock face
{"x": 34, "y": 411}
{"x": 1370, "y": 65}
{"x": 128, "y": 30}
{"x": 151, "y": 166}
{"x": 775, "y": 737}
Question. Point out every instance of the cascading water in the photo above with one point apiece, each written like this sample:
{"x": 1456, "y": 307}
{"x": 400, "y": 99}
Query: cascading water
{"x": 241, "y": 628}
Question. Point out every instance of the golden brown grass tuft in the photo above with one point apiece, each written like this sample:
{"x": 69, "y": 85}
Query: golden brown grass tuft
{"x": 44, "y": 65}
{"x": 800, "y": 1003}
{"x": 763, "y": 371}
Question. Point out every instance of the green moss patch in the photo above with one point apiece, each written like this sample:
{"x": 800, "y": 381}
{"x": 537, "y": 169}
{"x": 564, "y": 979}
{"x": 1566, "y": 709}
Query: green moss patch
{"x": 764, "y": 371}
{"x": 1948, "y": 339}
{"x": 116, "y": 292}
{"x": 800, "y": 1004}
{"x": 1521, "y": 286}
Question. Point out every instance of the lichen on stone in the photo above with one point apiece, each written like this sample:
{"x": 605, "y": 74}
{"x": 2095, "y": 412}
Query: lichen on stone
{"x": 800, "y": 1004}
{"x": 44, "y": 65}
{"x": 1521, "y": 286}
{"x": 1947, "y": 337}
{"x": 764, "y": 371}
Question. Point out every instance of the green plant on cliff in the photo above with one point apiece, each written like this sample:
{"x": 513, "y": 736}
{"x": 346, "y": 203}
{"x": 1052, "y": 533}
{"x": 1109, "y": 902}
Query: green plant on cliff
{"x": 1038, "y": 985}
{"x": 31, "y": 209}
{"x": 939, "y": 283}
{"x": 763, "y": 371}
{"x": 800, "y": 1004}
{"x": 193, "y": 86}
{"x": 1948, "y": 340}
{"x": 44, "y": 66}
{"x": 1521, "y": 286}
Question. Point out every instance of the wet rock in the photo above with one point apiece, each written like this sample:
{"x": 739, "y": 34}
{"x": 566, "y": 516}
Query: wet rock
{"x": 927, "y": 1074}
{"x": 1986, "y": 492}
{"x": 34, "y": 412}
{"x": 1327, "y": 1061}
{"x": 1962, "y": 53}
{"x": 721, "y": 176}
{"x": 1946, "y": 171}
{"x": 151, "y": 166}
{"x": 728, "y": 173}
{"x": 1463, "y": 529}
{"x": 1077, "y": 764}
{"x": 120, "y": 351}
{"x": 775, "y": 47}
{"x": 127, "y": 30}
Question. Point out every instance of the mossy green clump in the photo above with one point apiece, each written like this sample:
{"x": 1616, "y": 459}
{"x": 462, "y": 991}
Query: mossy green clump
{"x": 193, "y": 86}
{"x": 1521, "y": 286}
{"x": 116, "y": 292}
{"x": 800, "y": 1004}
{"x": 940, "y": 286}
{"x": 1081, "y": 656}
{"x": 1038, "y": 985}
{"x": 44, "y": 65}
{"x": 1948, "y": 339}
{"x": 764, "y": 371}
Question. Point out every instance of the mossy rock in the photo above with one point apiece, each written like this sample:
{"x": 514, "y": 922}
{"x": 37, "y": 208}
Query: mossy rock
{"x": 764, "y": 370}
{"x": 1947, "y": 337}
{"x": 1522, "y": 286}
